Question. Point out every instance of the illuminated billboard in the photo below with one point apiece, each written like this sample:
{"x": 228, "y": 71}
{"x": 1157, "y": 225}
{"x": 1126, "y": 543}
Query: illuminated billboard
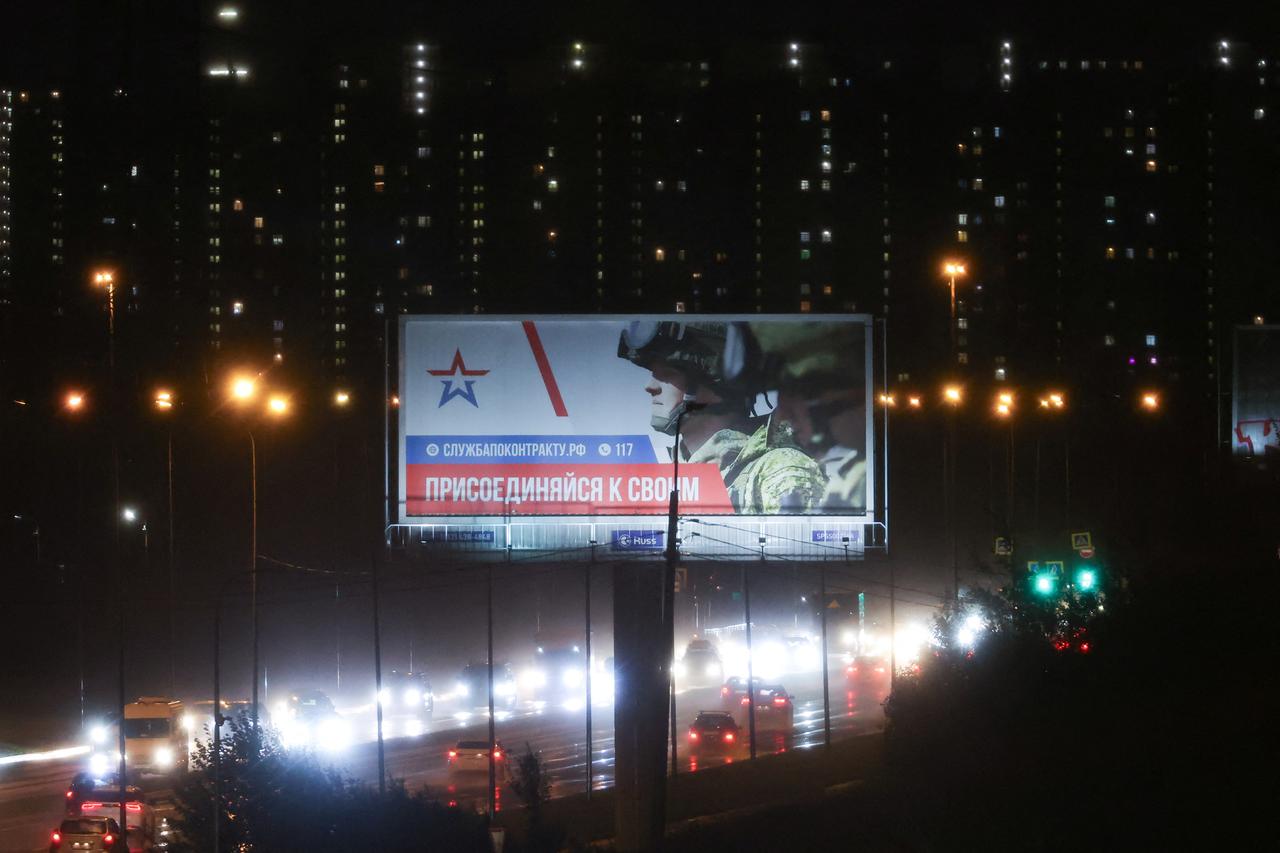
{"x": 561, "y": 418}
{"x": 1255, "y": 399}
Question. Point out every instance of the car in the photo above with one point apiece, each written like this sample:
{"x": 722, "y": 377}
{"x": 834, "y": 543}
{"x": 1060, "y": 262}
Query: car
{"x": 868, "y": 678}
{"x": 472, "y": 756}
{"x": 715, "y": 732}
{"x": 140, "y": 817}
{"x": 775, "y": 709}
{"x": 407, "y": 703}
{"x": 472, "y": 686}
{"x": 700, "y": 666}
{"x": 79, "y": 790}
{"x": 308, "y": 719}
{"x": 87, "y": 835}
{"x": 802, "y": 655}
{"x": 733, "y": 689}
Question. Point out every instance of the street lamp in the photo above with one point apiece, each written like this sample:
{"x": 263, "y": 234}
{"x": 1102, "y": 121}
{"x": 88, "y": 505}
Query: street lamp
{"x": 243, "y": 388}
{"x": 341, "y": 398}
{"x": 953, "y": 396}
{"x": 1150, "y": 401}
{"x": 953, "y": 270}
{"x": 1004, "y": 404}
{"x": 278, "y": 405}
{"x": 73, "y": 402}
{"x": 163, "y": 402}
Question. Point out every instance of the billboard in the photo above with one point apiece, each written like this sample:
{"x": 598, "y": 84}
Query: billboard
{"x": 1255, "y": 399}
{"x": 562, "y": 418}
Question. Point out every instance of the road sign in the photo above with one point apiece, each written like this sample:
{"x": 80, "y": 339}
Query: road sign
{"x": 1081, "y": 540}
{"x": 1033, "y": 566}
{"x": 1054, "y": 566}
{"x": 1086, "y": 553}
{"x": 1004, "y": 546}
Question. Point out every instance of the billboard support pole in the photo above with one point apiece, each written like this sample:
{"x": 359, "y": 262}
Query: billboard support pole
{"x": 377, "y": 677}
{"x": 587, "y": 607}
{"x": 884, "y": 370}
{"x": 386, "y": 425}
{"x": 751, "y": 688}
{"x": 493, "y": 768}
{"x": 826, "y": 689}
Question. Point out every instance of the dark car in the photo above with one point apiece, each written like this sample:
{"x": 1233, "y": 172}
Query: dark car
{"x": 700, "y": 666}
{"x": 734, "y": 689}
{"x": 407, "y": 703}
{"x": 775, "y": 709}
{"x": 868, "y": 678}
{"x": 87, "y": 834}
{"x": 472, "y": 686}
{"x": 80, "y": 789}
{"x": 714, "y": 731}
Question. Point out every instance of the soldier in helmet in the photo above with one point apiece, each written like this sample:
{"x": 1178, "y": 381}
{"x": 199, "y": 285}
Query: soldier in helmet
{"x": 823, "y": 399}
{"x": 700, "y": 379}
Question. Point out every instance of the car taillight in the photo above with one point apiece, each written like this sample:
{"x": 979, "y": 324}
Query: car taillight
{"x": 853, "y": 670}
{"x": 693, "y": 735}
{"x": 728, "y": 737}
{"x": 57, "y": 838}
{"x": 879, "y": 669}
{"x": 133, "y": 807}
{"x": 108, "y": 839}
{"x": 745, "y": 700}
{"x": 453, "y": 753}
{"x": 1084, "y": 648}
{"x": 70, "y": 794}
{"x": 88, "y": 807}
{"x": 724, "y": 691}
{"x": 779, "y": 700}
{"x": 497, "y": 755}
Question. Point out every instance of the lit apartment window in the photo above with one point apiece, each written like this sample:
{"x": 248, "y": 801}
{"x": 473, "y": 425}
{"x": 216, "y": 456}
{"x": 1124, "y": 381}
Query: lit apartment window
{"x": 804, "y": 185}
{"x": 804, "y": 115}
{"x": 277, "y": 239}
{"x": 962, "y": 236}
{"x": 1001, "y": 374}
{"x": 1109, "y": 201}
{"x": 826, "y": 236}
{"x": 379, "y": 169}
{"x": 1111, "y": 253}
{"x": 659, "y": 254}
{"x": 1151, "y": 340}
{"x": 1151, "y": 165}
{"x": 1259, "y": 114}
{"x": 1151, "y": 217}
{"x": 804, "y": 236}
{"x": 999, "y": 201}
{"x": 1109, "y": 340}
{"x": 962, "y": 219}
{"x": 804, "y": 254}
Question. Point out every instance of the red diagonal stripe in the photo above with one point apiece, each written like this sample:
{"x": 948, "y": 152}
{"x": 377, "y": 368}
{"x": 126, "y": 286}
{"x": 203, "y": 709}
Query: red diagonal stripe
{"x": 544, "y": 367}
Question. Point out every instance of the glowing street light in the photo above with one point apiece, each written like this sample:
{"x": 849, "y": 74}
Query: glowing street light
{"x": 74, "y": 401}
{"x": 888, "y": 401}
{"x": 243, "y": 388}
{"x": 913, "y": 401}
{"x": 277, "y": 405}
{"x": 1150, "y": 401}
{"x": 129, "y": 514}
{"x": 341, "y": 398}
{"x": 953, "y": 394}
{"x": 1004, "y": 404}
{"x": 164, "y": 400}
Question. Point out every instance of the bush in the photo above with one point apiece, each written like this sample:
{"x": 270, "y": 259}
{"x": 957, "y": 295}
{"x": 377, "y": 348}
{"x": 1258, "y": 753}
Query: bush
{"x": 273, "y": 799}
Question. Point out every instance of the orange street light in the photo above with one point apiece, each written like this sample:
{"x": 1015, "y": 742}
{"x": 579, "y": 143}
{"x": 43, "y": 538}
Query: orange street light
{"x": 341, "y": 398}
{"x": 953, "y": 394}
{"x": 913, "y": 401}
{"x": 277, "y": 405}
{"x": 164, "y": 401}
{"x": 395, "y": 401}
{"x": 243, "y": 388}
{"x": 888, "y": 401}
{"x": 1150, "y": 401}
{"x": 74, "y": 401}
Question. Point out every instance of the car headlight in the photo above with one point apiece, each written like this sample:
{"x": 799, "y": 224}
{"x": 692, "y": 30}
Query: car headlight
{"x": 333, "y": 735}
{"x": 294, "y": 734}
{"x": 462, "y": 689}
{"x": 712, "y": 670}
{"x": 534, "y": 677}
{"x": 571, "y": 678}
{"x": 412, "y": 696}
{"x": 98, "y": 734}
{"x": 99, "y": 763}
{"x": 505, "y": 688}
{"x": 163, "y": 756}
{"x": 678, "y": 669}
{"x": 384, "y": 696}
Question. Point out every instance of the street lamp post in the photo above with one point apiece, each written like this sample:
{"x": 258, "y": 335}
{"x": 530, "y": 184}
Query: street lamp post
{"x": 953, "y": 395}
{"x": 953, "y": 270}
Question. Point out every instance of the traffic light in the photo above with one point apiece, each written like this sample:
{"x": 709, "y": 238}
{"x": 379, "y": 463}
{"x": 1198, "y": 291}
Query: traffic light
{"x": 1044, "y": 583}
{"x": 1087, "y": 579}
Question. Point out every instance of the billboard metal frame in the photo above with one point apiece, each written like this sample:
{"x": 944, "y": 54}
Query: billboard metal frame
{"x": 720, "y": 536}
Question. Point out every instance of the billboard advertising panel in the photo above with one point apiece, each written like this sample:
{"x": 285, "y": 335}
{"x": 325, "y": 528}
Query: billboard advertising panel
{"x": 1255, "y": 401}
{"x": 557, "y": 417}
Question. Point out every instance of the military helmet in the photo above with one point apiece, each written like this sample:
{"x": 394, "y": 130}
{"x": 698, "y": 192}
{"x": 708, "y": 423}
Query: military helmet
{"x": 722, "y": 355}
{"x": 808, "y": 354}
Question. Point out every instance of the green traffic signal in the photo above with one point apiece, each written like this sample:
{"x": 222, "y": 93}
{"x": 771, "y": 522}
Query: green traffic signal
{"x": 1087, "y": 580}
{"x": 1044, "y": 583}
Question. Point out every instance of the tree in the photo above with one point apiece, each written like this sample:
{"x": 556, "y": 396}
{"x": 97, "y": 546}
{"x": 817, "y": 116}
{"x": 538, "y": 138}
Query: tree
{"x": 277, "y": 799}
{"x": 532, "y": 784}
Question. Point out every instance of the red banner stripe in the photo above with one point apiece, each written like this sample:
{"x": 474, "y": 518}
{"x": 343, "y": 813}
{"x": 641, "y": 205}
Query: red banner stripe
{"x": 544, "y": 366}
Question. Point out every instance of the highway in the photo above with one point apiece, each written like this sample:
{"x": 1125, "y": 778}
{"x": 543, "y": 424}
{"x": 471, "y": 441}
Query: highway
{"x": 31, "y": 795}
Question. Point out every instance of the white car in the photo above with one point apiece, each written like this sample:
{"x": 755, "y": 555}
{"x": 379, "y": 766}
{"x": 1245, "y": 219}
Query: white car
{"x": 472, "y": 756}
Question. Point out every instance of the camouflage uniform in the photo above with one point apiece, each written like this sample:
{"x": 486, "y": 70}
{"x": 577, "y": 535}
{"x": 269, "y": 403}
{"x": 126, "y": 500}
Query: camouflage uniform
{"x": 765, "y": 472}
{"x": 803, "y": 361}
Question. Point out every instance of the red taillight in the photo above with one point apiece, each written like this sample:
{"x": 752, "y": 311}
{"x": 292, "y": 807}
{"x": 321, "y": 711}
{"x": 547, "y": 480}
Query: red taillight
{"x": 693, "y": 735}
{"x": 728, "y": 737}
{"x": 853, "y": 670}
{"x": 133, "y": 807}
{"x": 745, "y": 700}
{"x": 453, "y": 753}
{"x": 1084, "y": 648}
{"x": 70, "y": 794}
{"x": 724, "y": 691}
{"x": 497, "y": 755}
{"x": 108, "y": 839}
{"x": 779, "y": 700}
{"x": 88, "y": 807}
{"x": 57, "y": 838}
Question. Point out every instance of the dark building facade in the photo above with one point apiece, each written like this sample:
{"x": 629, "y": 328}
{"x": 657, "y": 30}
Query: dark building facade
{"x": 272, "y": 202}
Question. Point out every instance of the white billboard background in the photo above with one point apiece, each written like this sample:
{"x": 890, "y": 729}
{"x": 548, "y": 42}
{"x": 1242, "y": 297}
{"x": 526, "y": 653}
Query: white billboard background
{"x": 479, "y": 380}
